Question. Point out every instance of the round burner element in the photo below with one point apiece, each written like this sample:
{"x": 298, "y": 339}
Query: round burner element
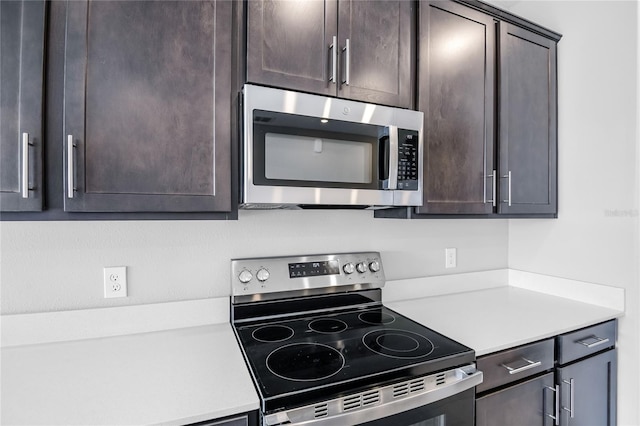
{"x": 395, "y": 343}
{"x": 328, "y": 325}
{"x": 305, "y": 362}
{"x": 272, "y": 333}
{"x": 376, "y": 317}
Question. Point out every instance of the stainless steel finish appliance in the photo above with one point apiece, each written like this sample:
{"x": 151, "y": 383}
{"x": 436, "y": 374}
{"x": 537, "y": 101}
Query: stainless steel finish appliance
{"x": 302, "y": 149}
{"x": 323, "y": 350}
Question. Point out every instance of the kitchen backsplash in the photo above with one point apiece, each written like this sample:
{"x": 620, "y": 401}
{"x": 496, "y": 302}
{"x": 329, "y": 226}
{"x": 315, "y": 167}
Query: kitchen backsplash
{"x": 54, "y": 266}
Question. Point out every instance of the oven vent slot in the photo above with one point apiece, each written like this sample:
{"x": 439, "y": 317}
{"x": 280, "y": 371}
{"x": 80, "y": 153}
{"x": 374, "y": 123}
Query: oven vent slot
{"x": 321, "y": 410}
{"x": 441, "y": 379}
{"x": 416, "y": 385}
{"x": 360, "y": 400}
{"x": 370, "y": 398}
{"x": 407, "y": 388}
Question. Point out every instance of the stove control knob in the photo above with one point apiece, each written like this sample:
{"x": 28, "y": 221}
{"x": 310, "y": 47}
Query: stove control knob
{"x": 374, "y": 266}
{"x": 348, "y": 268}
{"x": 245, "y": 276}
{"x": 262, "y": 275}
{"x": 361, "y": 267}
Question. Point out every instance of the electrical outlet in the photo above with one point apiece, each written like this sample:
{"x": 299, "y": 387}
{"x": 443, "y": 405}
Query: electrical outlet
{"x": 451, "y": 260}
{"x": 115, "y": 282}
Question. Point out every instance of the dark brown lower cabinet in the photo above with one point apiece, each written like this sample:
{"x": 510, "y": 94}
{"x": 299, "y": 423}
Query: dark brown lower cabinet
{"x": 524, "y": 404}
{"x": 522, "y": 387}
{"x": 588, "y": 390}
{"x": 244, "y": 419}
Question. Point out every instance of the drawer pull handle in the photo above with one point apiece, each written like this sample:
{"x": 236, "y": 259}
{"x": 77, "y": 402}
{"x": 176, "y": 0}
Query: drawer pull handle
{"x": 530, "y": 365}
{"x": 589, "y": 342}
{"x": 556, "y": 405}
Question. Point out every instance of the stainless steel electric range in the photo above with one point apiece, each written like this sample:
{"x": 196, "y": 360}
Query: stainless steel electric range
{"x": 323, "y": 350}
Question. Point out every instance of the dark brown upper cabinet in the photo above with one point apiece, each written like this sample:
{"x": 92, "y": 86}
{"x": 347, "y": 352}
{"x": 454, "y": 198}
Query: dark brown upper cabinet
{"x": 488, "y": 89}
{"x": 147, "y": 104}
{"x": 456, "y": 84}
{"x": 527, "y": 122}
{"x": 22, "y": 29}
{"x": 355, "y": 49}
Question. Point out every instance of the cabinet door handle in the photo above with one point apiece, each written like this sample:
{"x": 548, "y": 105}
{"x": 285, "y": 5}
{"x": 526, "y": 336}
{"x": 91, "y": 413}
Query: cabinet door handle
{"x": 493, "y": 186}
{"x": 508, "y": 176}
{"x": 71, "y": 172}
{"x": 334, "y": 59}
{"x": 25, "y": 165}
{"x": 556, "y": 405}
{"x": 598, "y": 341}
{"x": 530, "y": 365}
{"x": 347, "y": 61}
{"x": 571, "y": 396}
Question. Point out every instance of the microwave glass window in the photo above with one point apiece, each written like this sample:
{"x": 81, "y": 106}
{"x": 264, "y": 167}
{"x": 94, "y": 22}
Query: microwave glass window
{"x": 304, "y": 158}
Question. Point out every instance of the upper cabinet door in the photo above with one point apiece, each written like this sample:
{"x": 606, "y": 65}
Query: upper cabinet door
{"x": 147, "y": 106}
{"x": 21, "y": 100}
{"x": 376, "y": 51}
{"x": 528, "y": 122}
{"x": 361, "y": 50}
{"x": 456, "y": 82}
{"x": 290, "y": 44}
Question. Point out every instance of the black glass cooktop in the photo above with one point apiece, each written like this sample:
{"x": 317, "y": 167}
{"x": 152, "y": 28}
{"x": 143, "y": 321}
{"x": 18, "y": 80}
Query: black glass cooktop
{"x": 359, "y": 346}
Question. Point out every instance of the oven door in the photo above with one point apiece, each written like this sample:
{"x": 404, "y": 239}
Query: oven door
{"x": 457, "y": 410}
{"x": 441, "y": 399}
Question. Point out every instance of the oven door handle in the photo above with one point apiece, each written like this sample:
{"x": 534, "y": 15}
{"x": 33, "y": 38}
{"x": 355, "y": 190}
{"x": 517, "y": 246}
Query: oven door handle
{"x": 334, "y": 415}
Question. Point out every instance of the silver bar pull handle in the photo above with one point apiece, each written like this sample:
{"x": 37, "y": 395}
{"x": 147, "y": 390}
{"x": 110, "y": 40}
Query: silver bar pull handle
{"x": 493, "y": 177}
{"x": 598, "y": 341}
{"x": 508, "y": 176}
{"x": 347, "y": 61}
{"x": 556, "y": 405}
{"x": 71, "y": 188}
{"x": 393, "y": 157}
{"x": 571, "y": 397}
{"x": 334, "y": 59}
{"x": 25, "y": 165}
{"x": 530, "y": 365}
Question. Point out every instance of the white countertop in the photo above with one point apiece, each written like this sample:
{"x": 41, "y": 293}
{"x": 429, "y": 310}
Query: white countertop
{"x": 178, "y": 363}
{"x": 166, "y": 377}
{"x": 494, "y": 319}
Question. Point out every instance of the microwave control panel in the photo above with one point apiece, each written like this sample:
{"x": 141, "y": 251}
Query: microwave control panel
{"x": 407, "y": 159}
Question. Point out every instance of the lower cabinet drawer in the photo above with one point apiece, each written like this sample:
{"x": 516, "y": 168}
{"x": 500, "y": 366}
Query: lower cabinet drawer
{"x": 587, "y": 341}
{"x": 515, "y": 364}
{"x": 238, "y": 420}
{"x": 529, "y": 403}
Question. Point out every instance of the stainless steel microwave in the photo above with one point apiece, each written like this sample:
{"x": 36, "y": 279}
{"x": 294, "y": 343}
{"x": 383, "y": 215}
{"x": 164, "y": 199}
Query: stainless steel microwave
{"x": 308, "y": 150}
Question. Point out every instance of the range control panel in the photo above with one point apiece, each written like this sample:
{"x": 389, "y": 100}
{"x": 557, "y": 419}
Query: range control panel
{"x": 277, "y": 274}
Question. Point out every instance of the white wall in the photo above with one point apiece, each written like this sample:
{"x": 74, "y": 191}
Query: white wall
{"x": 595, "y": 238}
{"x": 51, "y": 266}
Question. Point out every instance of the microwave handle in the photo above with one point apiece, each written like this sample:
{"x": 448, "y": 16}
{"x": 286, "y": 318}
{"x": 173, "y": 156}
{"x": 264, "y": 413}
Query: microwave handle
{"x": 393, "y": 157}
